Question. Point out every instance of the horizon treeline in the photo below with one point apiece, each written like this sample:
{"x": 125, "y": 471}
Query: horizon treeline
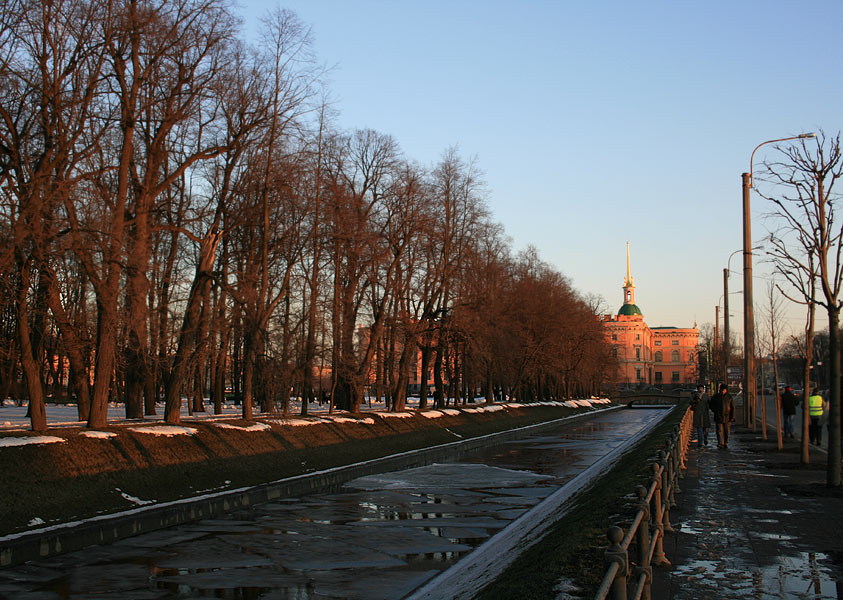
{"x": 180, "y": 216}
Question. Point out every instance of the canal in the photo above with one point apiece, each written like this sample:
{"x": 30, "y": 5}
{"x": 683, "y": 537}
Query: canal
{"x": 382, "y": 536}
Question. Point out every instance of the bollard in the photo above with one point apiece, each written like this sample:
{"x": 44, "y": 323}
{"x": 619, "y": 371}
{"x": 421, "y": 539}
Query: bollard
{"x": 643, "y": 542}
{"x": 658, "y": 556}
{"x": 616, "y": 554}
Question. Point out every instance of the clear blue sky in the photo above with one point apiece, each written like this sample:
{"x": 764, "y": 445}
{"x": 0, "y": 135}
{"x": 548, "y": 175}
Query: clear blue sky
{"x": 595, "y": 123}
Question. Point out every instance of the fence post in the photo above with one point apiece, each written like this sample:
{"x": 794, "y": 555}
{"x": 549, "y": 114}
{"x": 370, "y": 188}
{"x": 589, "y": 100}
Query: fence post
{"x": 658, "y": 556}
{"x": 675, "y": 471}
{"x": 665, "y": 481}
{"x": 643, "y": 540}
{"x": 616, "y": 554}
{"x": 677, "y": 455}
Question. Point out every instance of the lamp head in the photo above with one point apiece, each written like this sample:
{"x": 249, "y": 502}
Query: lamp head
{"x": 807, "y": 135}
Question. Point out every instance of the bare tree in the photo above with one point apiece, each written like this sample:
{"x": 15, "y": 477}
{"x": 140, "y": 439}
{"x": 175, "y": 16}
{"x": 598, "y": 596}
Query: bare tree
{"x": 774, "y": 310}
{"x": 50, "y": 78}
{"x": 804, "y": 199}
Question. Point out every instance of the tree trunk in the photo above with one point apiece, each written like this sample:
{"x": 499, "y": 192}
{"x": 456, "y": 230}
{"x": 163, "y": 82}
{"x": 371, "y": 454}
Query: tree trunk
{"x": 29, "y": 363}
{"x": 426, "y": 351}
{"x": 438, "y": 383}
{"x": 833, "y": 476}
{"x": 189, "y": 329}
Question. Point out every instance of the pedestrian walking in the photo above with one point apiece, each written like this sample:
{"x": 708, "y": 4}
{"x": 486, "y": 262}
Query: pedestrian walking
{"x": 815, "y": 412}
{"x": 789, "y": 403}
{"x": 723, "y": 407}
{"x": 699, "y": 405}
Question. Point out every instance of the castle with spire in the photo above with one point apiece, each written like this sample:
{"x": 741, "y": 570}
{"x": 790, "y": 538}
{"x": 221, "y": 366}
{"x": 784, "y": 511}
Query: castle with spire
{"x": 664, "y": 357}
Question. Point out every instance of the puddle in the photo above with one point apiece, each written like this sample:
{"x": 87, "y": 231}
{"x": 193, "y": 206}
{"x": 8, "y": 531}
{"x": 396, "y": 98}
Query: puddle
{"x": 773, "y": 536}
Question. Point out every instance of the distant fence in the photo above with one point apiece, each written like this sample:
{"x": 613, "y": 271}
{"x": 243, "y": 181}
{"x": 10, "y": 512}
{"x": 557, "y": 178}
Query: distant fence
{"x": 649, "y": 524}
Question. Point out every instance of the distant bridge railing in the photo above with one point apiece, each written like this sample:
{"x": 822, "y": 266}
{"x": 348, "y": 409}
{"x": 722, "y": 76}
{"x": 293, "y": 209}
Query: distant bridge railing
{"x": 651, "y": 398}
{"x": 649, "y": 524}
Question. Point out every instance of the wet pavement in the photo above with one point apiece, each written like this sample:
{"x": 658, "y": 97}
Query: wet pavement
{"x": 383, "y": 536}
{"x": 752, "y": 522}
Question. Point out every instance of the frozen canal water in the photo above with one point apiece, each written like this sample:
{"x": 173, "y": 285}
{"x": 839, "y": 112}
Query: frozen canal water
{"x": 383, "y": 536}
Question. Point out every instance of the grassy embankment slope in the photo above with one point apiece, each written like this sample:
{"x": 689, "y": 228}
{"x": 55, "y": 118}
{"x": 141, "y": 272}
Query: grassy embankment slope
{"x": 83, "y": 476}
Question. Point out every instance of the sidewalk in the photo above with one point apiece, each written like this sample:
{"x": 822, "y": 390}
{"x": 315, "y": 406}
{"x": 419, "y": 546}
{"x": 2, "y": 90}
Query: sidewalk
{"x": 752, "y": 522}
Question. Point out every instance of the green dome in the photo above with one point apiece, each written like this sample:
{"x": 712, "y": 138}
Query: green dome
{"x": 629, "y": 310}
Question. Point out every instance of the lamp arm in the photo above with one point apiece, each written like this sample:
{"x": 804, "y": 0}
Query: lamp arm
{"x": 793, "y": 137}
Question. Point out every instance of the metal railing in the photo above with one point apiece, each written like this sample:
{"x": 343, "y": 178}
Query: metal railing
{"x": 649, "y": 524}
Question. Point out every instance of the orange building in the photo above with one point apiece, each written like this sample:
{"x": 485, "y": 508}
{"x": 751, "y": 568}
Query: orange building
{"x": 649, "y": 356}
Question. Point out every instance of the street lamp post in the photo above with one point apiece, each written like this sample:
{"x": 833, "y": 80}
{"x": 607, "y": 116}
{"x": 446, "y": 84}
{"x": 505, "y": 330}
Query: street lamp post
{"x": 748, "y": 315}
{"x": 727, "y": 340}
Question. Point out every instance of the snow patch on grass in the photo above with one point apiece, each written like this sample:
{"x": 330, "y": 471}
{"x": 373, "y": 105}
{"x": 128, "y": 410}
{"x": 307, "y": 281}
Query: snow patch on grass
{"x": 133, "y": 499}
{"x": 100, "y": 435}
{"x": 335, "y": 419}
{"x": 252, "y": 427}
{"x": 165, "y": 430}
{"x": 298, "y": 422}
{"x": 400, "y": 415}
{"x": 31, "y": 439}
{"x": 432, "y": 414}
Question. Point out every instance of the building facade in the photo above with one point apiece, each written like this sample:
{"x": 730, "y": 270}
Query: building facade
{"x": 663, "y": 357}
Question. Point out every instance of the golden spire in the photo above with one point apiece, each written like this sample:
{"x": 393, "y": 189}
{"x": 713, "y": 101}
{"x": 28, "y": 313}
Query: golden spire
{"x": 628, "y": 281}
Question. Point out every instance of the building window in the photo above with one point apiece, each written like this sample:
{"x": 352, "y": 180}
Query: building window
{"x": 658, "y": 342}
{"x": 637, "y": 336}
{"x": 658, "y": 355}
{"x": 638, "y": 353}
{"x": 615, "y": 351}
{"x": 674, "y": 342}
{"x": 659, "y": 377}
{"x": 638, "y": 374}
{"x": 674, "y": 356}
{"x": 614, "y": 337}
{"x": 674, "y": 377}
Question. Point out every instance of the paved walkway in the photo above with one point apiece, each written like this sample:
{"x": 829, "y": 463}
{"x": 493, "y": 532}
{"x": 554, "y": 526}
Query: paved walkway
{"x": 753, "y": 522}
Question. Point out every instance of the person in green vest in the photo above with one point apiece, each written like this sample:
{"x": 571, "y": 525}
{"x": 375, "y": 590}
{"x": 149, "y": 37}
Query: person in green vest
{"x": 815, "y": 413}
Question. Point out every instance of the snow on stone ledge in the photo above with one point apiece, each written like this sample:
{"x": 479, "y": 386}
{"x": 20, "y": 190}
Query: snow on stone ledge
{"x": 32, "y": 439}
{"x": 252, "y": 427}
{"x": 100, "y": 435}
{"x": 165, "y": 430}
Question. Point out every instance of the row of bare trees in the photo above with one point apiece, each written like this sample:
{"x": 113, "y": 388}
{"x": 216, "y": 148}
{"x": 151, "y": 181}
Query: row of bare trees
{"x": 179, "y": 216}
{"x": 807, "y": 251}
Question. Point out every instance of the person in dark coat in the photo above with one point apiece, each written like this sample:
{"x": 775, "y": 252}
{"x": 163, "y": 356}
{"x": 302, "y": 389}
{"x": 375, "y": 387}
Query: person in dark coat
{"x": 699, "y": 405}
{"x": 723, "y": 408}
{"x": 789, "y": 404}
